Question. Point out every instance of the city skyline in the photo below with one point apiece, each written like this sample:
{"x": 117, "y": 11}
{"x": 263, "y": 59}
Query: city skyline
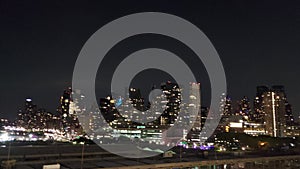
{"x": 243, "y": 129}
{"x": 149, "y": 84}
{"x": 257, "y": 43}
{"x": 271, "y": 116}
{"x": 234, "y": 103}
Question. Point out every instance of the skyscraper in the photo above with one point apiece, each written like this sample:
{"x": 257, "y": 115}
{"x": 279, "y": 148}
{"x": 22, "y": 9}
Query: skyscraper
{"x": 70, "y": 122}
{"x": 289, "y": 115}
{"x": 194, "y": 104}
{"x": 25, "y": 114}
{"x": 227, "y": 106}
{"x": 244, "y": 108}
{"x": 258, "y": 115}
{"x": 274, "y": 104}
{"x": 36, "y": 119}
{"x": 173, "y": 95}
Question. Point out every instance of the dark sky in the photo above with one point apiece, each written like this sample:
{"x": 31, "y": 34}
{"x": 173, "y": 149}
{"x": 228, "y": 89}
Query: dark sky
{"x": 258, "y": 42}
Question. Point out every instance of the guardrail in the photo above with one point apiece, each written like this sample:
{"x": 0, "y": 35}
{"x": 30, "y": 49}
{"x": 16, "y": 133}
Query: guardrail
{"x": 277, "y": 162}
{"x": 41, "y": 156}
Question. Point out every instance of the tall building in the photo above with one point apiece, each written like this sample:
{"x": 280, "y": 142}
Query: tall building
{"x": 244, "y": 108}
{"x": 227, "y": 106}
{"x": 70, "y": 122}
{"x": 194, "y": 104}
{"x": 137, "y": 100}
{"x": 258, "y": 115}
{"x": 204, "y": 114}
{"x": 108, "y": 109}
{"x": 111, "y": 115}
{"x": 278, "y": 102}
{"x": 173, "y": 96}
{"x": 26, "y": 114}
{"x": 274, "y": 104}
{"x": 33, "y": 118}
{"x": 191, "y": 106}
{"x": 289, "y": 114}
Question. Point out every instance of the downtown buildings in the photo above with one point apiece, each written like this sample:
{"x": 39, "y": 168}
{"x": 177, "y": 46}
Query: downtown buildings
{"x": 130, "y": 116}
{"x": 36, "y": 119}
{"x": 277, "y": 114}
{"x": 271, "y": 114}
{"x": 33, "y": 124}
{"x": 61, "y": 125}
{"x": 68, "y": 114}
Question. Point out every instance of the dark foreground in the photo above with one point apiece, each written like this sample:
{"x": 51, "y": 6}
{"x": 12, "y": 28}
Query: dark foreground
{"x": 92, "y": 156}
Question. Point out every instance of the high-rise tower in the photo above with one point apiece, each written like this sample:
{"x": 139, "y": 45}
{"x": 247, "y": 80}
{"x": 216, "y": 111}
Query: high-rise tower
{"x": 273, "y": 106}
{"x": 70, "y": 122}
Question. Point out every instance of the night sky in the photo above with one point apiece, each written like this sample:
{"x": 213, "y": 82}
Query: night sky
{"x": 258, "y": 42}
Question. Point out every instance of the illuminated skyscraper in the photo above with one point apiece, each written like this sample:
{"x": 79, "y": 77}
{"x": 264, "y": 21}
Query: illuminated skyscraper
{"x": 227, "y": 106}
{"x": 191, "y": 106}
{"x": 36, "y": 119}
{"x": 194, "y": 104}
{"x": 136, "y": 99}
{"x": 108, "y": 109}
{"x": 258, "y": 115}
{"x": 274, "y": 108}
{"x": 65, "y": 100}
{"x": 69, "y": 118}
{"x": 26, "y": 114}
{"x": 173, "y": 95}
{"x": 244, "y": 108}
{"x": 289, "y": 115}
